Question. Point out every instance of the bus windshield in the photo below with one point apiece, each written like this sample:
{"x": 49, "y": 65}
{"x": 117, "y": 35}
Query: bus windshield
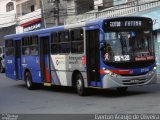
{"x": 127, "y": 46}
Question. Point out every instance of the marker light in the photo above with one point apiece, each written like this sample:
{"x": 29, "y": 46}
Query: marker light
{"x": 107, "y": 71}
{"x": 155, "y": 68}
{"x": 110, "y": 73}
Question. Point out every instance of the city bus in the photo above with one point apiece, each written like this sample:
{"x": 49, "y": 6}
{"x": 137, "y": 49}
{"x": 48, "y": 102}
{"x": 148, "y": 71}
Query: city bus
{"x": 103, "y": 53}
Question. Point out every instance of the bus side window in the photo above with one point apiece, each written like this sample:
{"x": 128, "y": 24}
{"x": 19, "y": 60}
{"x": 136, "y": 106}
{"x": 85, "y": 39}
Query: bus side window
{"x": 10, "y": 47}
{"x": 54, "y": 43}
{"x": 77, "y": 40}
{"x": 64, "y": 42}
{"x": 25, "y": 46}
{"x": 26, "y": 52}
{"x": 34, "y": 45}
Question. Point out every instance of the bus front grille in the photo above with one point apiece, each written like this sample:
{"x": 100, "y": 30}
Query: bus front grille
{"x": 134, "y": 81}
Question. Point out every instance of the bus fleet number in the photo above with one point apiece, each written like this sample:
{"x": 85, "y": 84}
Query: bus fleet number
{"x": 122, "y": 58}
{"x": 9, "y": 61}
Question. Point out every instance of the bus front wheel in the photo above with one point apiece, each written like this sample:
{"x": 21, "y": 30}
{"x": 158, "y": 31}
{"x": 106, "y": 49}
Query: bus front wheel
{"x": 80, "y": 85}
{"x": 28, "y": 80}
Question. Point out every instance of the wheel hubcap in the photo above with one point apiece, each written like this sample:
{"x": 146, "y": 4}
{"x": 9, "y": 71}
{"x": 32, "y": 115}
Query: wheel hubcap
{"x": 28, "y": 83}
{"x": 79, "y": 84}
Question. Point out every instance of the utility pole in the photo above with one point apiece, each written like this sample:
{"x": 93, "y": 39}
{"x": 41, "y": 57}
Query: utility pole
{"x": 55, "y": 4}
{"x": 57, "y": 11}
{"x": 43, "y": 15}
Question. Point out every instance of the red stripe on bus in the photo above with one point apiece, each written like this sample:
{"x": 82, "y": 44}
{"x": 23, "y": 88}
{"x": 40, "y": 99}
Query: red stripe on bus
{"x": 102, "y": 72}
{"x": 47, "y": 75}
{"x": 122, "y": 72}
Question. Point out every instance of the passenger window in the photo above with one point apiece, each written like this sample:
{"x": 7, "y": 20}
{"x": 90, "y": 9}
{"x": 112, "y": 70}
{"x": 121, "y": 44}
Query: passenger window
{"x": 77, "y": 41}
{"x": 60, "y": 43}
{"x": 30, "y": 45}
{"x": 10, "y": 47}
{"x": 25, "y": 46}
{"x": 34, "y": 45}
{"x": 54, "y": 43}
{"x": 64, "y": 45}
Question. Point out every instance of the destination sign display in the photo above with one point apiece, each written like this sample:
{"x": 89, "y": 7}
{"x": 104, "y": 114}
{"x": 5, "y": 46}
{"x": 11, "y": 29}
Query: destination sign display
{"x": 128, "y": 23}
{"x": 125, "y": 24}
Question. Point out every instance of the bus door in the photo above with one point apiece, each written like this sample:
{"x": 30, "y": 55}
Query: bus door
{"x": 92, "y": 53}
{"x": 18, "y": 59}
{"x": 44, "y": 53}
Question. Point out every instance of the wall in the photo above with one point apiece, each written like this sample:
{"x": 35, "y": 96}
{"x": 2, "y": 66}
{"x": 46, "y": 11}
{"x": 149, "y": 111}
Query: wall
{"x": 50, "y": 14}
{"x": 83, "y": 6}
{"x": 117, "y": 2}
{"x": 71, "y": 7}
{"x": 108, "y": 3}
{"x": 8, "y": 20}
{"x": 6, "y": 31}
{"x": 27, "y": 18}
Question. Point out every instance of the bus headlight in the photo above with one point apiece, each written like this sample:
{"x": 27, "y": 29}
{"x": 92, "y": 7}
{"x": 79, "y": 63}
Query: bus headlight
{"x": 155, "y": 68}
{"x": 110, "y": 73}
{"x": 107, "y": 71}
{"x": 113, "y": 75}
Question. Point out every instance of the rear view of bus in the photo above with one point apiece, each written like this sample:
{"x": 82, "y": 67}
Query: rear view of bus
{"x": 127, "y": 53}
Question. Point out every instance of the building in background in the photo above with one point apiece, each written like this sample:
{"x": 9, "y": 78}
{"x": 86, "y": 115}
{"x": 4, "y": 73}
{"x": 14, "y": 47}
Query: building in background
{"x": 102, "y": 4}
{"x": 7, "y": 18}
{"x": 56, "y": 11}
{"x": 53, "y": 12}
{"x": 76, "y": 7}
{"x": 119, "y": 2}
{"x": 28, "y": 15}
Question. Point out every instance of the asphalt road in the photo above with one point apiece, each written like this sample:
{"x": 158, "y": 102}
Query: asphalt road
{"x": 15, "y": 98}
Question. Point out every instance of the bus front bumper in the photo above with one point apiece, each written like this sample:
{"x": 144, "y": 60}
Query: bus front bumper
{"x": 127, "y": 81}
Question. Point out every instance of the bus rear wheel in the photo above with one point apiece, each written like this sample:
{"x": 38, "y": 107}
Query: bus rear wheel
{"x": 80, "y": 85}
{"x": 1, "y": 68}
{"x": 28, "y": 80}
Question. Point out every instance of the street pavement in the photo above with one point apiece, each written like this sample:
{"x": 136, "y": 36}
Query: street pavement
{"x": 15, "y": 98}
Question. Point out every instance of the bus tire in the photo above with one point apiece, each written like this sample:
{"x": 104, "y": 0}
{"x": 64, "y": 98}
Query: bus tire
{"x": 28, "y": 80}
{"x": 80, "y": 85}
{"x": 1, "y": 68}
{"x": 122, "y": 89}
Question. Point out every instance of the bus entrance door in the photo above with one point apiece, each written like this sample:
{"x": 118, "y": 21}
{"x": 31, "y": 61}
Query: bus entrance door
{"x": 44, "y": 54}
{"x": 92, "y": 53}
{"x": 18, "y": 72}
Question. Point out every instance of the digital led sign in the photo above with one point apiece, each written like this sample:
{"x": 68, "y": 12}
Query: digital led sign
{"x": 128, "y": 23}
